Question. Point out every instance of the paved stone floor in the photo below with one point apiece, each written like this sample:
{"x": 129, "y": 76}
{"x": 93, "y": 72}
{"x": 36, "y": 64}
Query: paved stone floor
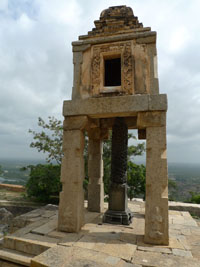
{"x": 113, "y": 245}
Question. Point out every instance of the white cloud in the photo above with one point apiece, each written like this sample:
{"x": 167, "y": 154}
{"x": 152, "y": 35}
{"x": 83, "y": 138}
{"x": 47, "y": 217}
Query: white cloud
{"x": 25, "y": 22}
{"x": 179, "y": 39}
{"x": 61, "y": 12}
{"x": 36, "y": 70}
{"x": 3, "y": 5}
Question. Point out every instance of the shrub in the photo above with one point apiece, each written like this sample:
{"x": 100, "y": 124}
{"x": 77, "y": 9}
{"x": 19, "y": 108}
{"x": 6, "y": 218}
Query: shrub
{"x": 195, "y": 198}
{"x": 44, "y": 181}
{"x": 136, "y": 176}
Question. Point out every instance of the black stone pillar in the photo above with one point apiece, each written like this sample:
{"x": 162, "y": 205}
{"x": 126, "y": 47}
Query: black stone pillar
{"x": 118, "y": 212}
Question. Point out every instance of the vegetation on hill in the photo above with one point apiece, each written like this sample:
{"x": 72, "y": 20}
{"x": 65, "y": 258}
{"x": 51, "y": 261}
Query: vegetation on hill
{"x": 195, "y": 198}
{"x": 10, "y": 172}
{"x": 187, "y": 179}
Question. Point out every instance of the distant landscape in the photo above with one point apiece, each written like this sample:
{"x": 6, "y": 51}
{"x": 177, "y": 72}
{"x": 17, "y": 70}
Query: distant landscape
{"x": 186, "y": 176}
{"x": 12, "y": 173}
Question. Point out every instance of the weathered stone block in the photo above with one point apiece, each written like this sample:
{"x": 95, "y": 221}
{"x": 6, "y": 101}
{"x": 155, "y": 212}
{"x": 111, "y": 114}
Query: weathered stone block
{"x": 71, "y": 211}
{"x": 96, "y": 197}
{"x": 151, "y": 119}
{"x": 158, "y": 103}
{"x": 95, "y": 173}
{"x": 156, "y": 215}
{"x": 71, "y": 206}
{"x": 75, "y": 123}
{"x": 114, "y": 106}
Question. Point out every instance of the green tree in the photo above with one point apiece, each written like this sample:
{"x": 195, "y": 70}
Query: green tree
{"x": 49, "y": 140}
{"x": 44, "y": 181}
{"x": 136, "y": 175}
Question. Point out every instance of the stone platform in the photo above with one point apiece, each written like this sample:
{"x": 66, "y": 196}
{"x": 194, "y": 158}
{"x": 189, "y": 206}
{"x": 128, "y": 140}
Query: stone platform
{"x": 97, "y": 244}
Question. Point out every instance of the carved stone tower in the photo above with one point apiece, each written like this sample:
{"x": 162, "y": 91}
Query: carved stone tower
{"x": 115, "y": 85}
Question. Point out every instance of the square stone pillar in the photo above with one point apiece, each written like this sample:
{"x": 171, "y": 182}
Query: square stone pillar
{"x": 156, "y": 210}
{"x": 95, "y": 173}
{"x": 71, "y": 206}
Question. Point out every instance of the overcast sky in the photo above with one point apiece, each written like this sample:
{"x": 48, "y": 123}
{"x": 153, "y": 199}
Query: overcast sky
{"x": 36, "y": 66}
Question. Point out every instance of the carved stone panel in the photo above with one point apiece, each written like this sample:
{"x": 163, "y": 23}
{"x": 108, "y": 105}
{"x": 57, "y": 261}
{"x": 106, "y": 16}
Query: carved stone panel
{"x": 111, "y": 50}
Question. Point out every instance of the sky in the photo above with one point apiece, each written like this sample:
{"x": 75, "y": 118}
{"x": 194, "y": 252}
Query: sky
{"x": 36, "y": 70}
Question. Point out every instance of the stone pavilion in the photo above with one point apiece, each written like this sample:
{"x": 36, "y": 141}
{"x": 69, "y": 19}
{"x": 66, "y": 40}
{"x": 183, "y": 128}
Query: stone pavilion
{"x": 115, "y": 81}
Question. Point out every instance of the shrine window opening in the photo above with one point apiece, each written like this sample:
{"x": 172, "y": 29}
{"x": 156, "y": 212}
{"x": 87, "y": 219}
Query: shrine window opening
{"x": 112, "y": 72}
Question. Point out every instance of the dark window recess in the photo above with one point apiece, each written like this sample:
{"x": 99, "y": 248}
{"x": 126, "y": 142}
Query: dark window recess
{"x": 112, "y": 72}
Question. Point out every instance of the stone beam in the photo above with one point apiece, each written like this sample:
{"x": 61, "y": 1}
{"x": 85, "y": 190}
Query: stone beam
{"x": 121, "y": 106}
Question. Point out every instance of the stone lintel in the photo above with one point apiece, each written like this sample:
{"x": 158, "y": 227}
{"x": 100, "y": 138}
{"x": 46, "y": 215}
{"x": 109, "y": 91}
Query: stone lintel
{"x": 151, "y": 119}
{"x": 117, "y": 38}
{"x": 122, "y": 106}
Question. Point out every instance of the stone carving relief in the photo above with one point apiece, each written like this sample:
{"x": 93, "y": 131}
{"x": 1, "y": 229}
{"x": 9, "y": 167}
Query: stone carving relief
{"x": 156, "y": 222}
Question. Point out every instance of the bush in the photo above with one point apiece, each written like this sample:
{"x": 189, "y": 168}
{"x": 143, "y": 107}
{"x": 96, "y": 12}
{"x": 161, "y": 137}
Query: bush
{"x": 136, "y": 176}
{"x": 195, "y": 198}
{"x": 44, "y": 181}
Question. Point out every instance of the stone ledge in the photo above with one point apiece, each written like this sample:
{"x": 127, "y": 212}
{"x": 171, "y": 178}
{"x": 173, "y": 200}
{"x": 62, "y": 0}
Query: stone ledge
{"x": 14, "y": 188}
{"x": 190, "y": 207}
{"x": 104, "y": 107}
{"x": 179, "y": 206}
{"x": 119, "y": 37}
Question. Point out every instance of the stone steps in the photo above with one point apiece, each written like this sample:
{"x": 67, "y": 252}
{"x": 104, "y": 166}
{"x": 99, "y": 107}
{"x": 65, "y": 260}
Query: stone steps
{"x": 29, "y": 246}
{"x": 15, "y": 257}
{"x": 21, "y": 251}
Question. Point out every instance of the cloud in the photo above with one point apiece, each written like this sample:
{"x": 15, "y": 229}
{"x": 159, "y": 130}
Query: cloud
{"x": 36, "y": 70}
{"x": 3, "y": 5}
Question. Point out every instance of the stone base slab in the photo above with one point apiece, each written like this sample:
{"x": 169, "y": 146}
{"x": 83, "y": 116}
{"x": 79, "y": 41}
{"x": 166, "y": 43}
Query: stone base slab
{"x": 99, "y": 244}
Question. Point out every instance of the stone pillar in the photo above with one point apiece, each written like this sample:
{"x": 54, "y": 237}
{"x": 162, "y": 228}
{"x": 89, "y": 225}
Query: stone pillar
{"x": 95, "y": 172}
{"x": 156, "y": 210}
{"x": 118, "y": 211}
{"x": 71, "y": 206}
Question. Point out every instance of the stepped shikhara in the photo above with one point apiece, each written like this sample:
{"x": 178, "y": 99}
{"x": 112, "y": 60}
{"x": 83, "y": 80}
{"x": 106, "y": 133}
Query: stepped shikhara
{"x": 113, "y": 20}
{"x": 115, "y": 88}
